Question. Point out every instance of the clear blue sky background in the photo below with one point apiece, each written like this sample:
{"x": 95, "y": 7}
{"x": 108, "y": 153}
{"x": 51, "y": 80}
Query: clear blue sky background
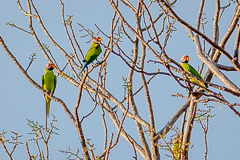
{"x": 20, "y": 100}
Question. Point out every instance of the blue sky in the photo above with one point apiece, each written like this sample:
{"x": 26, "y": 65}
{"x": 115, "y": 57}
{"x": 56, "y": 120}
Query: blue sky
{"x": 21, "y": 100}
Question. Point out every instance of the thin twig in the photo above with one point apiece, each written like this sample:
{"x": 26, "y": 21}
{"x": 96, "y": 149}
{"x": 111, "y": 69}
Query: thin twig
{"x": 108, "y": 149}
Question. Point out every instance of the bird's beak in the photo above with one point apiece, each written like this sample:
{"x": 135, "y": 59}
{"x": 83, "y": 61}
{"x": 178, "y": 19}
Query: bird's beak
{"x": 187, "y": 58}
{"x": 100, "y": 39}
{"x": 53, "y": 66}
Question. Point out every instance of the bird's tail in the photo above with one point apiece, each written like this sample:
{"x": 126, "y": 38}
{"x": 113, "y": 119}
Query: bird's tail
{"x": 203, "y": 84}
{"x": 206, "y": 85}
{"x": 83, "y": 67}
{"x": 47, "y": 109}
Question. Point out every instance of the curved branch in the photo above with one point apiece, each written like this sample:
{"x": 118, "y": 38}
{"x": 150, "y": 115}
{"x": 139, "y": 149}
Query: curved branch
{"x": 33, "y": 82}
{"x": 172, "y": 120}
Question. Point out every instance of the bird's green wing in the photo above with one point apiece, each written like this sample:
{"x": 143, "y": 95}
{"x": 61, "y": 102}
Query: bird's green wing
{"x": 93, "y": 53}
{"x": 42, "y": 80}
{"x": 55, "y": 83}
{"x": 188, "y": 68}
{"x": 193, "y": 71}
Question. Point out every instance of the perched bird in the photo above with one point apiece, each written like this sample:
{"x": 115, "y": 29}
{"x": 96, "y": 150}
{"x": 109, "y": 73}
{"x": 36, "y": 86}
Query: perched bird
{"x": 93, "y": 52}
{"x": 188, "y": 68}
{"x": 49, "y": 82}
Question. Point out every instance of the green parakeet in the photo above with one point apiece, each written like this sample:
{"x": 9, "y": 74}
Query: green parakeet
{"x": 188, "y": 68}
{"x": 93, "y": 52}
{"x": 49, "y": 82}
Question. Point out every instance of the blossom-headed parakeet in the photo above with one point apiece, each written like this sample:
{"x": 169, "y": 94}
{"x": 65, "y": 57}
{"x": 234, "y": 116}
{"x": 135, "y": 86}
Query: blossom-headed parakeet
{"x": 188, "y": 68}
{"x": 49, "y": 82}
{"x": 93, "y": 52}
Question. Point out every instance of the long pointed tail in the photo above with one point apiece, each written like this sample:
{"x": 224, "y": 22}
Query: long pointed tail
{"x": 83, "y": 67}
{"x": 206, "y": 85}
{"x": 47, "y": 109}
